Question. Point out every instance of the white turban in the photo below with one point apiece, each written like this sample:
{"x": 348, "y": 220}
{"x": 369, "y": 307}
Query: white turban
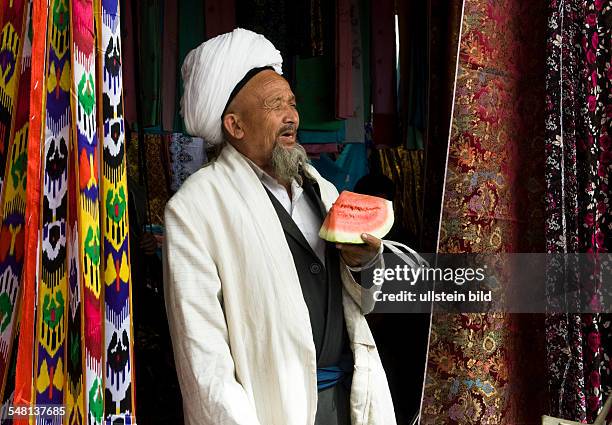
{"x": 212, "y": 70}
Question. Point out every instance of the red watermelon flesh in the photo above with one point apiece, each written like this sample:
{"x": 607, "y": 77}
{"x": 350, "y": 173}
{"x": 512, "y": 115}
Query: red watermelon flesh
{"x": 353, "y": 214}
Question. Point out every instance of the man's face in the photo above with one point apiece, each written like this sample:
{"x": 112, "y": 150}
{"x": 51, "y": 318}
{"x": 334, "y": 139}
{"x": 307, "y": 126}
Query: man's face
{"x": 266, "y": 113}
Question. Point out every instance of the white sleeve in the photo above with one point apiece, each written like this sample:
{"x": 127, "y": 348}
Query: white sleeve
{"x": 194, "y": 303}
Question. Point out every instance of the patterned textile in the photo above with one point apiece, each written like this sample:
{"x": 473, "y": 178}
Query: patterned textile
{"x": 75, "y": 399}
{"x": 52, "y": 292}
{"x": 118, "y": 329}
{"x": 187, "y": 155}
{"x": 405, "y": 168}
{"x": 477, "y": 370}
{"x": 578, "y": 214}
{"x": 11, "y": 42}
{"x": 154, "y": 171}
{"x": 85, "y": 135}
{"x": 25, "y": 352}
{"x": 12, "y": 214}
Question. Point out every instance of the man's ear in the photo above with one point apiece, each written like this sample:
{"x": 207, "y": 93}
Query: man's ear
{"x": 233, "y": 126}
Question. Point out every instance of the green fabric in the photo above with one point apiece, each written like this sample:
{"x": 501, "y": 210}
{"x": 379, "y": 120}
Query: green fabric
{"x": 315, "y": 94}
{"x": 191, "y": 34}
{"x": 309, "y": 136}
{"x": 150, "y": 61}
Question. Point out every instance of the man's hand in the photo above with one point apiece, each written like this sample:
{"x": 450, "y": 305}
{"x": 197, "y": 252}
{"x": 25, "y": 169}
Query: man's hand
{"x": 358, "y": 255}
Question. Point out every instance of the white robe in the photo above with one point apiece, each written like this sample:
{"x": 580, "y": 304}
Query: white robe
{"x": 240, "y": 327}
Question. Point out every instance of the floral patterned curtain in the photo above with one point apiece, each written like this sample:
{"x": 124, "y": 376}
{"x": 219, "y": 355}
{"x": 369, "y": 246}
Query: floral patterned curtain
{"x": 578, "y": 166}
{"x": 478, "y": 371}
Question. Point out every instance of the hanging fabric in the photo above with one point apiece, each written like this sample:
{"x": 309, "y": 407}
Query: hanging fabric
{"x": 355, "y": 125}
{"x": 315, "y": 150}
{"x": 52, "y": 294}
{"x": 315, "y": 93}
{"x": 412, "y": 71}
{"x": 169, "y": 80}
{"x": 443, "y": 35}
{"x": 155, "y": 169}
{"x": 75, "y": 397}
{"x": 578, "y": 213}
{"x": 118, "y": 329}
{"x": 383, "y": 65}
{"x": 150, "y": 57}
{"x": 312, "y": 136}
{"x": 12, "y": 230}
{"x": 190, "y": 35}
{"x": 85, "y": 134}
{"x": 220, "y": 17}
{"x": 11, "y": 43}
{"x": 187, "y": 155}
{"x": 344, "y": 60}
{"x": 405, "y": 168}
{"x": 477, "y": 368}
{"x": 129, "y": 36}
{"x": 25, "y": 354}
{"x": 345, "y": 170}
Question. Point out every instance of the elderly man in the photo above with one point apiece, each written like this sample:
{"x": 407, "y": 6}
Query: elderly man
{"x": 266, "y": 318}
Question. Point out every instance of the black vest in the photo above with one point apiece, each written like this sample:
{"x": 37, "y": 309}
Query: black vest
{"x": 321, "y": 283}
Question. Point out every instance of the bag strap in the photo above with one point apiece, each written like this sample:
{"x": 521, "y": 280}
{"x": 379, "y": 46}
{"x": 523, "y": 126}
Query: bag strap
{"x": 410, "y": 256}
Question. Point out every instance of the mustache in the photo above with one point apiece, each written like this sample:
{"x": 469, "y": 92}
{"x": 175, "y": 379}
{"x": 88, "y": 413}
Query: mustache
{"x": 286, "y": 129}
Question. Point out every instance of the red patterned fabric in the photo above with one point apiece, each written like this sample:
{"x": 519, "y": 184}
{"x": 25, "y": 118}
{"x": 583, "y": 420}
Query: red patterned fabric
{"x": 478, "y": 370}
{"x": 579, "y": 217}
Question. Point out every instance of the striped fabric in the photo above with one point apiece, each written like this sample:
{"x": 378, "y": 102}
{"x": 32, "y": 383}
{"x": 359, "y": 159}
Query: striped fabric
{"x": 119, "y": 371}
{"x": 88, "y": 210}
{"x": 65, "y": 295}
{"x": 12, "y": 230}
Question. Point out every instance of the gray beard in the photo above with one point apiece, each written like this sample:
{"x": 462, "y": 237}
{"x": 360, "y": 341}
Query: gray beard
{"x": 287, "y": 162}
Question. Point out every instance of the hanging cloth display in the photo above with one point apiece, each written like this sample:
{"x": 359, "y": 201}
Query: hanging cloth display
{"x": 315, "y": 92}
{"x": 187, "y": 155}
{"x": 11, "y": 43}
{"x": 25, "y": 353}
{"x": 347, "y": 169}
{"x": 13, "y": 230}
{"x": 118, "y": 329}
{"x": 477, "y": 367}
{"x": 52, "y": 294}
{"x": 85, "y": 133}
{"x": 355, "y": 125}
{"x": 169, "y": 82}
{"x": 383, "y": 73}
{"x": 344, "y": 56}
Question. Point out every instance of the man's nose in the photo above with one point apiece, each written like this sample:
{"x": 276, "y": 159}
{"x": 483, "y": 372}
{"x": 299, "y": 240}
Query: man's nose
{"x": 291, "y": 116}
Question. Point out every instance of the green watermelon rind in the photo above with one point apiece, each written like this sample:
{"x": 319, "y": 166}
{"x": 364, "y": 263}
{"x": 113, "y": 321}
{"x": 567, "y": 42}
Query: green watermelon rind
{"x": 354, "y": 237}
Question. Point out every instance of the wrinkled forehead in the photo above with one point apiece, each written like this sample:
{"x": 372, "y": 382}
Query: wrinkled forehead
{"x": 269, "y": 83}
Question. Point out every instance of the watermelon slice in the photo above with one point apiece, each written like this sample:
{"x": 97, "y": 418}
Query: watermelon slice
{"x": 353, "y": 214}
